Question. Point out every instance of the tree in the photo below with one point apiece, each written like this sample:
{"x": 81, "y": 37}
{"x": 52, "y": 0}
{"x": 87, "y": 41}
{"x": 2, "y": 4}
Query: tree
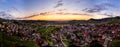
{"x": 95, "y": 43}
{"x": 116, "y": 43}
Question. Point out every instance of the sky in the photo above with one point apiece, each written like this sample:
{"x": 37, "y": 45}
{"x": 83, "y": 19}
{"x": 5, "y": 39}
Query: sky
{"x": 29, "y": 9}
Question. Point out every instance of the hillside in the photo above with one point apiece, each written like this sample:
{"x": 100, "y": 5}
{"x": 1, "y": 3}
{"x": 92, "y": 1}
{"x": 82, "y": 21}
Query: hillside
{"x": 28, "y": 33}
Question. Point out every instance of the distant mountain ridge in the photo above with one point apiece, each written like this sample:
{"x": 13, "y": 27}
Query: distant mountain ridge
{"x": 105, "y": 19}
{"x": 4, "y": 15}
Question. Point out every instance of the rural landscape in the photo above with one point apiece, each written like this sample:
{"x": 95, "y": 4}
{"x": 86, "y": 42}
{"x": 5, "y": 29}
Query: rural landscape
{"x": 59, "y": 23}
{"x": 90, "y": 33}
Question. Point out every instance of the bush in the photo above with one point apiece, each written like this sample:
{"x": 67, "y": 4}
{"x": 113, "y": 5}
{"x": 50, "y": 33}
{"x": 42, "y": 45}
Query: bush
{"x": 116, "y": 43}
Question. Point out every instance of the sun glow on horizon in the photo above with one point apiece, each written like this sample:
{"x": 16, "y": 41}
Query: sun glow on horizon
{"x": 59, "y": 17}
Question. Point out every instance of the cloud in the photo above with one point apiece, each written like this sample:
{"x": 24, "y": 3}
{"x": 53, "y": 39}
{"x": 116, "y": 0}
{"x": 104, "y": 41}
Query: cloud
{"x": 98, "y": 8}
{"x": 95, "y": 9}
{"x": 108, "y": 4}
{"x": 60, "y": 1}
{"x": 11, "y": 13}
{"x": 108, "y": 14}
{"x": 79, "y": 1}
{"x": 15, "y": 9}
{"x": 101, "y": 9}
{"x": 5, "y": 15}
{"x": 59, "y": 4}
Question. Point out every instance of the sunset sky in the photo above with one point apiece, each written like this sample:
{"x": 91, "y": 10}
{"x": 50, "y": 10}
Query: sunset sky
{"x": 59, "y": 9}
